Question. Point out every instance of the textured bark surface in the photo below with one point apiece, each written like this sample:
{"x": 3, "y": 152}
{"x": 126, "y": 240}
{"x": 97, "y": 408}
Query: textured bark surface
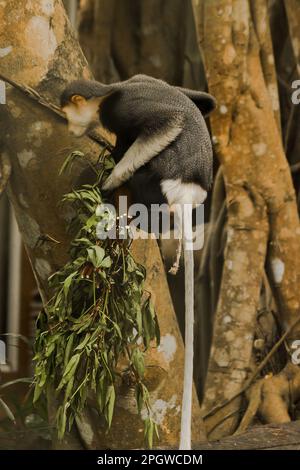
{"x": 123, "y": 37}
{"x": 42, "y": 52}
{"x": 262, "y": 214}
{"x": 293, "y": 15}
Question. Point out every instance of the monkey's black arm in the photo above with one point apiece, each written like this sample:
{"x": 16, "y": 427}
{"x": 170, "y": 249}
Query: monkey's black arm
{"x": 204, "y": 101}
{"x": 146, "y": 146}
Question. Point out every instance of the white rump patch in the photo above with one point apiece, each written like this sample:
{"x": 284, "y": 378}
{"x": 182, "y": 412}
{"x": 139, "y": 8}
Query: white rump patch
{"x": 177, "y": 192}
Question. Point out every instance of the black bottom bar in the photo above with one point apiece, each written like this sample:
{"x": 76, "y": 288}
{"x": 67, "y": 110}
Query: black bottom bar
{"x": 142, "y": 459}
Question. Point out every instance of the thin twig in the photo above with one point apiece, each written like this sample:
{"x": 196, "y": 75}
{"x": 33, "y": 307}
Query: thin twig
{"x": 224, "y": 418}
{"x": 35, "y": 96}
{"x": 254, "y": 402}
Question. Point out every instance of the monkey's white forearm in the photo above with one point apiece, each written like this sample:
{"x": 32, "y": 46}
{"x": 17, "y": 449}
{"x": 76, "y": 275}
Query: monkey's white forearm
{"x": 186, "y": 408}
{"x": 141, "y": 152}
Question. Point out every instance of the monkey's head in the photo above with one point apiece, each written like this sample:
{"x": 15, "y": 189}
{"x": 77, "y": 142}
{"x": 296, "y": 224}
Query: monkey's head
{"x": 80, "y": 102}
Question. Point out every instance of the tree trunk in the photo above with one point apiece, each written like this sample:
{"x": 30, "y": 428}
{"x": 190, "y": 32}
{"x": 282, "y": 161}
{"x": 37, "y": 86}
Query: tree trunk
{"x": 263, "y": 223}
{"x": 42, "y": 52}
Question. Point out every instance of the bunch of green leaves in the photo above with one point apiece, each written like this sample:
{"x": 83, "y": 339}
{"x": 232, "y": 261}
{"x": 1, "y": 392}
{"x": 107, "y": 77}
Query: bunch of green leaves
{"x": 98, "y": 313}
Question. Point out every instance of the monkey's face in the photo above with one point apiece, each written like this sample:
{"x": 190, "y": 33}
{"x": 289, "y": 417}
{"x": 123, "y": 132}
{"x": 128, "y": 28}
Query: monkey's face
{"x": 81, "y": 113}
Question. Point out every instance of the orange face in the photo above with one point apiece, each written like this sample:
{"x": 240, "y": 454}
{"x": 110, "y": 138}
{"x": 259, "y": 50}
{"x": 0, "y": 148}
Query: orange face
{"x": 80, "y": 113}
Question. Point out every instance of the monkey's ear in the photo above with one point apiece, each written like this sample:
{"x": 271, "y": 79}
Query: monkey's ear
{"x": 77, "y": 99}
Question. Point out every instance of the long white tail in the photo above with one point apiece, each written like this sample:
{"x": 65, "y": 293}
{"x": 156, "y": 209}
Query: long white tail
{"x": 186, "y": 408}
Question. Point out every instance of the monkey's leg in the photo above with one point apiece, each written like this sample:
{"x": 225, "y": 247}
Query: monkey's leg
{"x": 186, "y": 409}
{"x": 177, "y": 229}
{"x": 143, "y": 149}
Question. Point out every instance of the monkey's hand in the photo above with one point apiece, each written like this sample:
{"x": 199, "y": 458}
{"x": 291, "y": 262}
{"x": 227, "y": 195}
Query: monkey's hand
{"x": 113, "y": 181}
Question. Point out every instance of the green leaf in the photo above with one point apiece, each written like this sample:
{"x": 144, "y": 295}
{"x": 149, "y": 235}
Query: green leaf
{"x": 137, "y": 359}
{"x": 69, "y": 161}
{"x": 49, "y": 349}
{"x": 101, "y": 393}
{"x": 106, "y": 263}
{"x": 72, "y": 365}
{"x": 139, "y": 320}
{"x": 91, "y": 222}
{"x": 61, "y": 419}
{"x": 96, "y": 255}
{"x": 83, "y": 343}
{"x": 109, "y": 164}
{"x": 82, "y": 241}
{"x": 69, "y": 371}
{"x": 149, "y": 428}
{"x": 68, "y": 349}
{"x": 118, "y": 329}
{"x": 139, "y": 397}
{"x": 37, "y": 393}
{"x": 68, "y": 282}
{"x": 110, "y": 403}
{"x": 69, "y": 389}
{"x": 43, "y": 378}
{"x": 150, "y": 324}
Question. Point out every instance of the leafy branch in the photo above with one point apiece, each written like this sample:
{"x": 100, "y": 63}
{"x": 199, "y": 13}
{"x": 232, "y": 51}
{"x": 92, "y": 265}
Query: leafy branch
{"x": 98, "y": 313}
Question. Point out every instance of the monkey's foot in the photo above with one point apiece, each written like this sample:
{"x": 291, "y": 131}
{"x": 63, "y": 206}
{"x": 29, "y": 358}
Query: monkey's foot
{"x": 176, "y": 264}
{"x": 174, "y": 269}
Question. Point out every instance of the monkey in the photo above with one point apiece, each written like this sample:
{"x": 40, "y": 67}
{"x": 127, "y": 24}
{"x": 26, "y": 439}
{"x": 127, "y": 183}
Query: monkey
{"x": 163, "y": 150}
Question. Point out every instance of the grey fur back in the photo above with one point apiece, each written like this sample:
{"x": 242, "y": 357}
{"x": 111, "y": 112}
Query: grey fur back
{"x": 145, "y": 105}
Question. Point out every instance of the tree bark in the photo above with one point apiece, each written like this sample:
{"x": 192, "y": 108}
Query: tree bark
{"x": 292, "y": 9}
{"x": 263, "y": 223}
{"x": 42, "y": 52}
{"x": 121, "y": 38}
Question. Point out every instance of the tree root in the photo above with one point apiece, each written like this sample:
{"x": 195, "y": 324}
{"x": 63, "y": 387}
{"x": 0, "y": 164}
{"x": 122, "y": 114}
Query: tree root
{"x": 273, "y": 398}
{"x": 269, "y": 397}
{"x": 279, "y": 394}
{"x": 253, "y": 405}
